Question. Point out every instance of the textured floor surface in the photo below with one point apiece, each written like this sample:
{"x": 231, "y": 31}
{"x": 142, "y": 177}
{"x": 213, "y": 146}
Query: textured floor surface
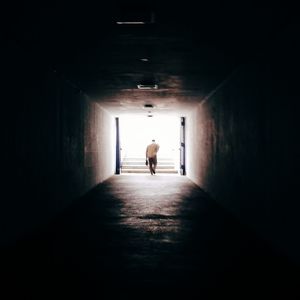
{"x": 140, "y": 236}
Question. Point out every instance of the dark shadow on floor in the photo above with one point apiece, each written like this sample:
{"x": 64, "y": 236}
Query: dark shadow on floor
{"x": 146, "y": 236}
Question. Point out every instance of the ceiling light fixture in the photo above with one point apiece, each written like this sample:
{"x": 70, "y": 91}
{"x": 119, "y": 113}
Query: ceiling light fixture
{"x": 130, "y": 23}
{"x": 148, "y": 106}
{"x": 135, "y": 16}
{"x": 147, "y": 86}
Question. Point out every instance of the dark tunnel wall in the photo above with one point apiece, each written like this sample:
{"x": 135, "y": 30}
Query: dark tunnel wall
{"x": 55, "y": 144}
{"x": 243, "y": 144}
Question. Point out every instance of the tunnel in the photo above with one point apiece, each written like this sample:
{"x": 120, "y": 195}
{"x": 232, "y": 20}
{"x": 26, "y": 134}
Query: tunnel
{"x": 226, "y": 221}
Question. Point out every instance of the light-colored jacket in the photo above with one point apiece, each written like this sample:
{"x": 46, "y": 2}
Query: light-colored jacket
{"x": 152, "y": 150}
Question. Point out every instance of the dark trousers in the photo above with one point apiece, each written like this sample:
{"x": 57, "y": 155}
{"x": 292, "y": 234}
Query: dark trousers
{"x": 152, "y": 164}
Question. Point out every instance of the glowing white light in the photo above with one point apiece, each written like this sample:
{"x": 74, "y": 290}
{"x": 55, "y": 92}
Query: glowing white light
{"x": 147, "y": 87}
{"x": 130, "y": 23}
{"x": 136, "y": 132}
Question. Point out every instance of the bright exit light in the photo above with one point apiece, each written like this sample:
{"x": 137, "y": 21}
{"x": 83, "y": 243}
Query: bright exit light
{"x": 136, "y": 132}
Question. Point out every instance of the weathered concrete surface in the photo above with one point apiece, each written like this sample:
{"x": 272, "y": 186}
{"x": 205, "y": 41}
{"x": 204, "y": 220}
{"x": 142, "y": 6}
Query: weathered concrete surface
{"x": 140, "y": 236}
{"x": 59, "y": 144}
{"x": 242, "y": 144}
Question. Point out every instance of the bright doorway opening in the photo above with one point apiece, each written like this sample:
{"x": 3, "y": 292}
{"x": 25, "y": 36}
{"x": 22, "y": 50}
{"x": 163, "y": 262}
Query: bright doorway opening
{"x": 136, "y": 132}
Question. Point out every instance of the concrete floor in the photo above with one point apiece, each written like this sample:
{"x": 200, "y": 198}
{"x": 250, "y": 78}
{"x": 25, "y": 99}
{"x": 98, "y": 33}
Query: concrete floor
{"x": 139, "y": 235}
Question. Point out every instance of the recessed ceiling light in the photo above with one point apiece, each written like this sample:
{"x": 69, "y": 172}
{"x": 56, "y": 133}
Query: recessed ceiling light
{"x": 147, "y": 87}
{"x": 148, "y": 106}
{"x": 135, "y": 15}
{"x": 130, "y": 23}
{"x": 144, "y": 59}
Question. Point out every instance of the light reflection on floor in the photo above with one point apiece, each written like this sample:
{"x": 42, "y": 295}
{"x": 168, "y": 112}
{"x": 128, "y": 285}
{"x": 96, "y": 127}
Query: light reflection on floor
{"x": 153, "y": 205}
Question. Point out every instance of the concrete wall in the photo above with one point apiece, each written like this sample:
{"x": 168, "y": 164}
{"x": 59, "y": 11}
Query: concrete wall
{"x": 243, "y": 144}
{"x": 59, "y": 145}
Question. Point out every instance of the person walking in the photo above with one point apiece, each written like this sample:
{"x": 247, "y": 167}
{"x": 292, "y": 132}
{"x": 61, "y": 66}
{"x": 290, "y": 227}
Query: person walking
{"x": 151, "y": 156}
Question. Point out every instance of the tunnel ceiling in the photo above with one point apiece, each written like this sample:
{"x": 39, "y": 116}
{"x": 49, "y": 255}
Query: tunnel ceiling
{"x": 187, "y": 48}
